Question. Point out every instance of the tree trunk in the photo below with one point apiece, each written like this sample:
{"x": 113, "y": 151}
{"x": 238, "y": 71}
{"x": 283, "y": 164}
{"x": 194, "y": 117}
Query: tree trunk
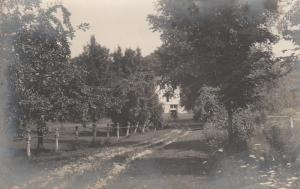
{"x": 40, "y": 132}
{"x": 230, "y": 129}
{"x": 144, "y": 127}
{"x": 40, "y": 144}
{"x": 235, "y": 143}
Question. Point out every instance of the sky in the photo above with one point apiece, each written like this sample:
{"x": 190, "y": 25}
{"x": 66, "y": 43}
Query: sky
{"x": 122, "y": 23}
{"x": 114, "y": 23}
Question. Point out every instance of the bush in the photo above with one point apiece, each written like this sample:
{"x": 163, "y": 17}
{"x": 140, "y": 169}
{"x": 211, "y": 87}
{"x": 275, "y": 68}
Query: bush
{"x": 283, "y": 141}
{"x": 245, "y": 121}
{"x": 214, "y": 136}
{"x": 209, "y": 109}
{"x": 275, "y": 142}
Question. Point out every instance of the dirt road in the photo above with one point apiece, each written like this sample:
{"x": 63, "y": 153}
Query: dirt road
{"x": 168, "y": 159}
{"x": 113, "y": 167}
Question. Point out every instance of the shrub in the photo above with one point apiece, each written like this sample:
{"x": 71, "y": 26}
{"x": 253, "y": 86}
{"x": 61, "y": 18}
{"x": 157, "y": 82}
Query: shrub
{"x": 245, "y": 121}
{"x": 214, "y": 136}
{"x": 283, "y": 141}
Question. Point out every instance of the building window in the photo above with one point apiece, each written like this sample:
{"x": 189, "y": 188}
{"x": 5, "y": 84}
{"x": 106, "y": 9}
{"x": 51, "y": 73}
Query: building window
{"x": 174, "y": 106}
{"x": 168, "y": 98}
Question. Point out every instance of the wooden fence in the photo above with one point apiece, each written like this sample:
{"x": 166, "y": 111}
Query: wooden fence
{"x": 292, "y": 120}
{"x": 28, "y": 135}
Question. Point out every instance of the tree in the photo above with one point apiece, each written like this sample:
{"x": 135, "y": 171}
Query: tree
{"x": 94, "y": 64}
{"x": 40, "y": 76}
{"x": 288, "y": 24}
{"x": 14, "y": 15}
{"x": 133, "y": 90}
{"x": 221, "y": 44}
{"x": 121, "y": 85}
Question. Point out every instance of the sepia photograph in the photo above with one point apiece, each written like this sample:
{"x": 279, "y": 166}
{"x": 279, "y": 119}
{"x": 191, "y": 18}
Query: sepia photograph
{"x": 149, "y": 94}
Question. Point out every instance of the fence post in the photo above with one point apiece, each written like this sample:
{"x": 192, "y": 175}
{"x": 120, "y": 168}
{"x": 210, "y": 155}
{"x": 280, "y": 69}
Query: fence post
{"x": 108, "y": 130}
{"x": 292, "y": 122}
{"x": 163, "y": 124}
{"x": 76, "y": 132}
{"x": 143, "y": 129}
{"x": 136, "y": 127}
{"x": 56, "y": 139}
{"x": 28, "y": 143}
{"x": 128, "y": 130}
{"x": 94, "y": 132}
{"x": 118, "y": 131}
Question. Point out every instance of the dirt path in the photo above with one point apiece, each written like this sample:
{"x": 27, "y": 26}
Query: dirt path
{"x": 100, "y": 169}
{"x": 170, "y": 159}
{"x": 175, "y": 165}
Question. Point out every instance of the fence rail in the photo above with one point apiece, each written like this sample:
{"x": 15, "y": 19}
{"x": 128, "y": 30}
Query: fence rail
{"x": 28, "y": 135}
{"x": 291, "y": 119}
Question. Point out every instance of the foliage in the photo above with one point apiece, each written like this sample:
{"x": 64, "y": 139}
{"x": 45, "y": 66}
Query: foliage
{"x": 43, "y": 82}
{"x": 283, "y": 141}
{"x": 225, "y": 45}
{"x": 281, "y": 98}
{"x": 207, "y": 107}
{"x": 122, "y": 85}
{"x": 214, "y": 136}
{"x": 134, "y": 89}
{"x": 94, "y": 65}
{"x": 289, "y": 24}
{"x": 245, "y": 121}
{"x": 40, "y": 76}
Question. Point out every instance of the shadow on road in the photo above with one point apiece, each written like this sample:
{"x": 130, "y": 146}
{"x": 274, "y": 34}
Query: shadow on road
{"x": 168, "y": 166}
{"x": 195, "y": 145}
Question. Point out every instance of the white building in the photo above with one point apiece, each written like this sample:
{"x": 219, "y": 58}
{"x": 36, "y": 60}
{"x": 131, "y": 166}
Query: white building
{"x": 170, "y": 103}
